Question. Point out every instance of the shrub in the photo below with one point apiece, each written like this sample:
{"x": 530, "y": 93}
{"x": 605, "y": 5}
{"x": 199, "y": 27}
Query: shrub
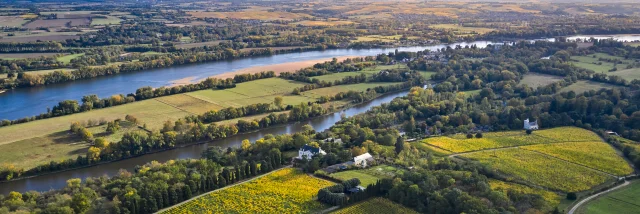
{"x": 529, "y": 131}
{"x": 479, "y": 135}
{"x": 469, "y": 135}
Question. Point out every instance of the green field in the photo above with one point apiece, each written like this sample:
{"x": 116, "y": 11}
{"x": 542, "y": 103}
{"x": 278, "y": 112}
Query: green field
{"x": 368, "y": 176}
{"x": 67, "y": 58}
{"x": 371, "y": 38}
{"x": 365, "y": 179}
{"x": 259, "y": 91}
{"x": 375, "y": 206}
{"x": 536, "y": 80}
{"x": 188, "y": 103}
{"x": 369, "y": 71}
{"x": 588, "y": 62}
{"x": 581, "y": 86}
{"x": 151, "y": 53}
{"x": 151, "y": 112}
{"x": 624, "y": 200}
{"x": 339, "y": 76}
{"x": 110, "y": 20}
{"x": 58, "y": 146}
{"x": 628, "y": 74}
{"x": 343, "y": 88}
{"x": 40, "y": 72}
{"x": 460, "y": 30}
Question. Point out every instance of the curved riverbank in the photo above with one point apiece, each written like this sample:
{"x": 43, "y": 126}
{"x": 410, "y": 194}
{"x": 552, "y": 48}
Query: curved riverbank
{"x": 25, "y": 102}
{"x": 58, "y": 180}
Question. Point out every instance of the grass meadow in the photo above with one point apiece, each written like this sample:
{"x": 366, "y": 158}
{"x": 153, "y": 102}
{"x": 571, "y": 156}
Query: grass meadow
{"x": 581, "y": 86}
{"x": 57, "y": 146}
{"x": 624, "y": 200}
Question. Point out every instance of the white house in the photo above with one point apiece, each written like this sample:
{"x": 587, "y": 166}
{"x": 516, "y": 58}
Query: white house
{"x": 309, "y": 151}
{"x": 362, "y": 160}
{"x": 530, "y": 125}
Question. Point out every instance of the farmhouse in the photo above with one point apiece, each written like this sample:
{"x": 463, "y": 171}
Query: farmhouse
{"x": 307, "y": 152}
{"x": 362, "y": 160}
{"x": 530, "y": 125}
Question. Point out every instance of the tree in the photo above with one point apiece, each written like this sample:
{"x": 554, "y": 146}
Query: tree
{"x": 246, "y": 145}
{"x": 132, "y": 119}
{"x": 113, "y": 127}
{"x": 410, "y": 125}
{"x": 277, "y": 101}
{"x": 314, "y": 144}
{"x": 399, "y": 145}
{"x": 100, "y": 143}
{"x": 80, "y": 203}
{"x": 86, "y": 135}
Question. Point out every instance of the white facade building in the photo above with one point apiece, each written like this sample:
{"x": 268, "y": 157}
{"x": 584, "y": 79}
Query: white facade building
{"x": 307, "y": 152}
{"x": 530, "y": 125}
{"x": 362, "y": 160}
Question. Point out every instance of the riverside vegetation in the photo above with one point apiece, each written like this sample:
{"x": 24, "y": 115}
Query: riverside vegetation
{"x": 425, "y": 182}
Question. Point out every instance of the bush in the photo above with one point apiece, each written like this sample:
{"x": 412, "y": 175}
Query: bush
{"x": 479, "y": 135}
{"x": 529, "y": 131}
{"x": 469, "y": 135}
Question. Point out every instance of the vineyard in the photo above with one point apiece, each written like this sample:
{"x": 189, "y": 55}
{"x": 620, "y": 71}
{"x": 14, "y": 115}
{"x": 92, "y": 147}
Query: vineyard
{"x": 375, "y": 206}
{"x": 460, "y": 143}
{"x": 285, "y": 191}
{"x": 597, "y": 155}
{"x": 540, "y": 169}
{"x": 568, "y": 134}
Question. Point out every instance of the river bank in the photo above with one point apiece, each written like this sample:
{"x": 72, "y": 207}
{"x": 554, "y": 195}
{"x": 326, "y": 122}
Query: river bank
{"x": 276, "y": 68}
{"x": 26, "y": 102}
{"x": 58, "y": 180}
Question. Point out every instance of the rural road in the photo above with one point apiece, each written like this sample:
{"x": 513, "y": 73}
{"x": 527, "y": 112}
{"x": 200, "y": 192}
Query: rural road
{"x": 596, "y": 195}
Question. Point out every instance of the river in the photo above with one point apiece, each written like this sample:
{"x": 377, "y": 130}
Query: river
{"x": 31, "y": 101}
{"x": 25, "y": 102}
{"x": 58, "y": 180}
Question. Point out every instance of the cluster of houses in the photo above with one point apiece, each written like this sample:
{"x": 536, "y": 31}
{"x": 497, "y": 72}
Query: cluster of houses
{"x": 307, "y": 152}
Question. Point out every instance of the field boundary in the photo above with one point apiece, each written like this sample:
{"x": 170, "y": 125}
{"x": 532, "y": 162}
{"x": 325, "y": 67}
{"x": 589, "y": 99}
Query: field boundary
{"x": 226, "y": 187}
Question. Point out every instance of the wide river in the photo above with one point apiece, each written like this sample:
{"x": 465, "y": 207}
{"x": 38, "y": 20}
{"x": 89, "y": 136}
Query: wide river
{"x": 58, "y": 180}
{"x": 25, "y": 102}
